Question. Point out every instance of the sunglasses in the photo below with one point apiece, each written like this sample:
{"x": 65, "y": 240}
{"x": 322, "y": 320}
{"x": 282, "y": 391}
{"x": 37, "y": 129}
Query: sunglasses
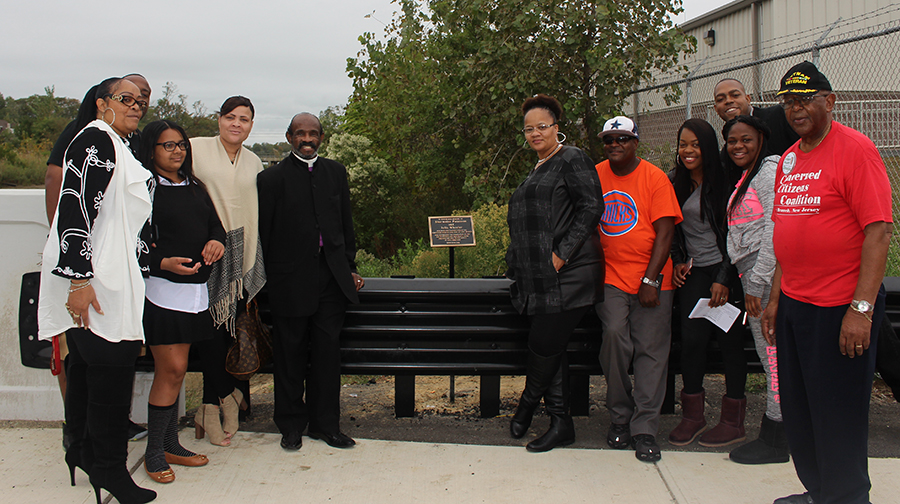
{"x": 621, "y": 140}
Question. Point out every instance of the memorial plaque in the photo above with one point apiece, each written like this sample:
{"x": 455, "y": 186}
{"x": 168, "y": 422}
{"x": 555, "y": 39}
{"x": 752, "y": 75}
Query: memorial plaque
{"x": 456, "y": 231}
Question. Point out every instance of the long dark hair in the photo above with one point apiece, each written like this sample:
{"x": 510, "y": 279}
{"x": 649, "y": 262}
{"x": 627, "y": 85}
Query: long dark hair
{"x": 759, "y": 126}
{"x": 713, "y": 177}
{"x": 87, "y": 111}
{"x": 150, "y": 136}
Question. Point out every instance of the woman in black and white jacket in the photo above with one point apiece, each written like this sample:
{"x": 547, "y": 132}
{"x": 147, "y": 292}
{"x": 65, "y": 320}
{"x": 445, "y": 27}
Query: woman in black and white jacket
{"x": 92, "y": 286}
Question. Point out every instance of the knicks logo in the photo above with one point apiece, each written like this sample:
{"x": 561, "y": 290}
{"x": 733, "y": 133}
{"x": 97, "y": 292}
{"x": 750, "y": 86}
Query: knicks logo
{"x": 620, "y": 215}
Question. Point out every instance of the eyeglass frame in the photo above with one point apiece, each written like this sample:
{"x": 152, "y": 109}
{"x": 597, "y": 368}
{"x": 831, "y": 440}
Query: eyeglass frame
{"x": 123, "y": 99}
{"x": 182, "y": 144}
{"x": 803, "y": 101}
{"x": 621, "y": 139}
{"x": 540, "y": 127}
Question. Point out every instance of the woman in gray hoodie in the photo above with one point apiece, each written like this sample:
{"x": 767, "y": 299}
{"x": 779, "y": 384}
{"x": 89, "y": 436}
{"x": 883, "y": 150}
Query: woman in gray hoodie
{"x": 750, "y": 249}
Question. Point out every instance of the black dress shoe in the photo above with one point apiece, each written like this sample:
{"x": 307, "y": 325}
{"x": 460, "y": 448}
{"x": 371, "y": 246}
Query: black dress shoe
{"x": 292, "y": 440}
{"x": 339, "y": 440}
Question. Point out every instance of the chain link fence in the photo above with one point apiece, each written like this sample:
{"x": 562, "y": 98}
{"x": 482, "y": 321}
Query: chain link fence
{"x": 862, "y": 65}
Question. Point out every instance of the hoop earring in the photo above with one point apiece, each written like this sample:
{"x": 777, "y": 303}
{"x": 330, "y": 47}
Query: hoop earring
{"x": 678, "y": 159}
{"x": 557, "y": 137}
{"x": 524, "y": 145}
{"x": 103, "y": 116}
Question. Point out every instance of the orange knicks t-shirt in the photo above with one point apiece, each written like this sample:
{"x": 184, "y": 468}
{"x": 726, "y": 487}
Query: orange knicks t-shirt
{"x": 633, "y": 203}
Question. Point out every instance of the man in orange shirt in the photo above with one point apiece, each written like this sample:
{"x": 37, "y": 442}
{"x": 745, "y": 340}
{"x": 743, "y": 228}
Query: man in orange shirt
{"x": 637, "y": 228}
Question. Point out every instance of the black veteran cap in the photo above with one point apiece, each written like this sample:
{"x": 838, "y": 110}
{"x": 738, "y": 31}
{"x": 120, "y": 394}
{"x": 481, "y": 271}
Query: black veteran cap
{"x": 803, "y": 79}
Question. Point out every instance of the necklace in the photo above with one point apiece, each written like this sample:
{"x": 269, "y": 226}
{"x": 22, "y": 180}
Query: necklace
{"x": 827, "y": 130}
{"x": 541, "y": 161}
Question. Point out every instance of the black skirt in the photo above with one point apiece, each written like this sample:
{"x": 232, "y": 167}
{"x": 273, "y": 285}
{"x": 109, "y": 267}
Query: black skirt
{"x": 169, "y": 327}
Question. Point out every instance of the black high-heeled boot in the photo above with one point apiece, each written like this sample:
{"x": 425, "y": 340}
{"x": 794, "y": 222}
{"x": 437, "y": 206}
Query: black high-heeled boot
{"x": 109, "y": 391}
{"x": 539, "y": 372}
{"x": 79, "y": 453}
{"x": 556, "y": 400}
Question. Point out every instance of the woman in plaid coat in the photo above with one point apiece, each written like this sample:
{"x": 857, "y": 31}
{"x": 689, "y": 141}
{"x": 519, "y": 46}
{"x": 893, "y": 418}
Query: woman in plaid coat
{"x": 556, "y": 264}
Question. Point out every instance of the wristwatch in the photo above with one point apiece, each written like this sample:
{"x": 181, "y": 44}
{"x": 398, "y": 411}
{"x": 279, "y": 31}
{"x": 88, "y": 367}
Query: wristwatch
{"x": 651, "y": 283}
{"x": 862, "y": 307}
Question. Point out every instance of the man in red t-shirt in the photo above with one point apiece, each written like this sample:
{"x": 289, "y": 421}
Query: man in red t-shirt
{"x": 833, "y": 226}
{"x": 637, "y": 228}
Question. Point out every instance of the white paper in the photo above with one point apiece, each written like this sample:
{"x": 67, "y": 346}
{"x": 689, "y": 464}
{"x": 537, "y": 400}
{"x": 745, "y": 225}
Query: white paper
{"x": 722, "y": 316}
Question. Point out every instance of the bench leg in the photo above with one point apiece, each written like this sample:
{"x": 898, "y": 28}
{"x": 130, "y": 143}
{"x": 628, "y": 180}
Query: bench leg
{"x": 579, "y": 395}
{"x": 405, "y": 396}
{"x": 490, "y": 396}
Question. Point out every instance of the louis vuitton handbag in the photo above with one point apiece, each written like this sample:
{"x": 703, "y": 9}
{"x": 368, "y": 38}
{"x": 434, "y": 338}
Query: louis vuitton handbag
{"x": 252, "y": 348}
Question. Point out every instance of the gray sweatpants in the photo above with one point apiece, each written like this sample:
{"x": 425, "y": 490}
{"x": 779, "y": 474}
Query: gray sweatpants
{"x": 638, "y": 336}
{"x": 767, "y": 357}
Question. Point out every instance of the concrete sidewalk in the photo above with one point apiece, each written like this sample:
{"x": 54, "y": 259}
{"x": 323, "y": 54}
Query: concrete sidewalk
{"x": 256, "y": 470}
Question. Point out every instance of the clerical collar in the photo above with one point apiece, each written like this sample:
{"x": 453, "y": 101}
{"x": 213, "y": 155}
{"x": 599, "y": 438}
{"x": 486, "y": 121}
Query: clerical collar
{"x": 309, "y": 162}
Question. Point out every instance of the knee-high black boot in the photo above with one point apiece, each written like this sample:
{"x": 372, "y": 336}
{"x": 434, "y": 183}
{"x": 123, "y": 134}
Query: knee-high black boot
{"x": 539, "y": 375}
{"x": 556, "y": 400}
{"x": 109, "y": 402}
{"x": 79, "y": 453}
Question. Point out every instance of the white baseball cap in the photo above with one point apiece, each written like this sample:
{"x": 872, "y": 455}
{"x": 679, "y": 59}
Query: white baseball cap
{"x": 619, "y": 125}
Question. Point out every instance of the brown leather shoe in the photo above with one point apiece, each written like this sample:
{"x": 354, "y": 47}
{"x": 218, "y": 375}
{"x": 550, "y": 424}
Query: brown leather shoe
{"x": 196, "y": 460}
{"x": 164, "y": 476}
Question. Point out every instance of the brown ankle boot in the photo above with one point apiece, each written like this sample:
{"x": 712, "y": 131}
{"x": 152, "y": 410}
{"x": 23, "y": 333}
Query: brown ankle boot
{"x": 692, "y": 420}
{"x": 731, "y": 424}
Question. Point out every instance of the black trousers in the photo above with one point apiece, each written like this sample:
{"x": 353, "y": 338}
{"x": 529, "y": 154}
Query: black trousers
{"x": 308, "y": 359}
{"x": 825, "y": 400}
{"x": 217, "y": 382}
{"x": 550, "y": 332}
{"x": 87, "y": 351}
{"x": 696, "y": 333}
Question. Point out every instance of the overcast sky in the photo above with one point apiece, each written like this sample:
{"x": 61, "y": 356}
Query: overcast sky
{"x": 287, "y": 57}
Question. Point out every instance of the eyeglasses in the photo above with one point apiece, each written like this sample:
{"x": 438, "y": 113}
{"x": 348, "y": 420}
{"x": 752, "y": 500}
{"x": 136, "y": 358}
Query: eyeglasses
{"x": 540, "y": 127}
{"x": 170, "y": 146}
{"x": 621, "y": 140}
{"x": 790, "y": 101}
{"x": 128, "y": 100}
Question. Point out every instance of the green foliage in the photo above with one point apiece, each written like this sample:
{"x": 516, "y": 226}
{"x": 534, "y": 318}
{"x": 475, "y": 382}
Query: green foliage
{"x": 38, "y": 118}
{"x": 400, "y": 264}
{"x": 440, "y": 98}
{"x": 486, "y": 258}
{"x": 36, "y": 121}
{"x": 197, "y": 122}
{"x": 381, "y": 212}
{"x": 22, "y": 165}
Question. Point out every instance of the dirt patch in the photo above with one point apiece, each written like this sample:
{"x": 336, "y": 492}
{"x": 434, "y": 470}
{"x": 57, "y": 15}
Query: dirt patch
{"x": 368, "y": 412}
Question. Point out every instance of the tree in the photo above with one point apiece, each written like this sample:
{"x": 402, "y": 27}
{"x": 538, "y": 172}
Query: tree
{"x": 380, "y": 217}
{"x": 196, "y": 122}
{"x": 440, "y": 98}
{"x": 38, "y": 119}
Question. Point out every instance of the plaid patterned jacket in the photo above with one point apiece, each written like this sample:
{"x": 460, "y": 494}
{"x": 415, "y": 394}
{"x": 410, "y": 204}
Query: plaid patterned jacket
{"x": 555, "y": 209}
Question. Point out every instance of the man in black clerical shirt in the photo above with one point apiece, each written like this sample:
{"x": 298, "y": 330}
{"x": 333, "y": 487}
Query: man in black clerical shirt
{"x": 309, "y": 250}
